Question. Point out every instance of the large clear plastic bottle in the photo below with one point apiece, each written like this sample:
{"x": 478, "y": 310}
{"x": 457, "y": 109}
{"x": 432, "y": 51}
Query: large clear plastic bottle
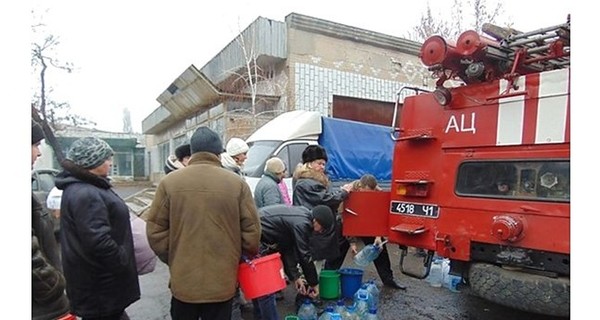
{"x": 435, "y": 273}
{"x": 340, "y": 306}
{"x": 374, "y": 291}
{"x": 326, "y": 315}
{"x": 372, "y": 315}
{"x": 350, "y": 313}
{"x": 362, "y": 299}
{"x": 336, "y": 316}
{"x": 307, "y": 311}
{"x": 365, "y": 256}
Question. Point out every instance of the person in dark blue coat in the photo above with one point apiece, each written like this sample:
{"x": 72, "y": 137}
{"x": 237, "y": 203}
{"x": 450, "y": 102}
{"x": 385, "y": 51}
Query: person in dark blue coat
{"x": 96, "y": 239}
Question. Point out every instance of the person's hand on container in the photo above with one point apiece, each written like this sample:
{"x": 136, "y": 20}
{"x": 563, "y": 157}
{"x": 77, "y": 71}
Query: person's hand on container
{"x": 378, "y": 241}
{"x": 353, "y": 248}
{"x": 347, "y": 187}
{"x": 300, "y": 286}
{"x": 313, "y": 291}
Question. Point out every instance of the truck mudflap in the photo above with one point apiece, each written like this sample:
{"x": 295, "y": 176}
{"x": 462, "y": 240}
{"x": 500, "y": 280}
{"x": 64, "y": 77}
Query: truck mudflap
{"x": 518, "y": 289}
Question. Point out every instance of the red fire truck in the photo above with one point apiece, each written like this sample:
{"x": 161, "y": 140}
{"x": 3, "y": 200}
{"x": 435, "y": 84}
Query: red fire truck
{"x": 481, "y": 168}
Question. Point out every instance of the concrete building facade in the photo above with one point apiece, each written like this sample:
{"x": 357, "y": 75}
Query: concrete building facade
{"x": 272, "y": 67}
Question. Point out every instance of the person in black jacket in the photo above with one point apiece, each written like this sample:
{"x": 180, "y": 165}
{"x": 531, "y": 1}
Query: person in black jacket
{"x": 311, "y": 188}
{"x": 48, "y": 299}
{"x": 96, "y": 238}
{"x": 288, "y": 230}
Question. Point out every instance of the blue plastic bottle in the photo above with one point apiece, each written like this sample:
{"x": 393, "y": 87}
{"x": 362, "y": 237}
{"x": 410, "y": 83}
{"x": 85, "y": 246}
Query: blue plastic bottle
{"x": 367, "y": 255}
{"x": 307, "y": 311}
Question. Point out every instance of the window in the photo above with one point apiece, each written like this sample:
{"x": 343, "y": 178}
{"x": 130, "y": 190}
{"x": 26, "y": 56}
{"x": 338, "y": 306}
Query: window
{"x": 163, "y": 153}
{"x": 532, "y": 180}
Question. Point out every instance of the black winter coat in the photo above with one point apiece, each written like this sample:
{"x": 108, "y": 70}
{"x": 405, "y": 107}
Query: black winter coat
{"x": 290, "y": 230}
{"x": 311, "y": 188}
{"x": 48, "y": 284}
{"x": 97, "y": 245}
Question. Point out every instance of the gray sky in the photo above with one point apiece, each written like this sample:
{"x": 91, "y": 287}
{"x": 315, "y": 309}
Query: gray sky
{"x": 128, "y": 52}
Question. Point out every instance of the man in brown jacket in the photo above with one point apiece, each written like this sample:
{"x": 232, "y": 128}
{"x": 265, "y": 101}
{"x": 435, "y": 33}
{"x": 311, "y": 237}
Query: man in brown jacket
{"x": 201, "y": 221}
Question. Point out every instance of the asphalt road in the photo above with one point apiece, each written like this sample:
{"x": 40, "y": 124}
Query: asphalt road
{"x": 419, "y": 302}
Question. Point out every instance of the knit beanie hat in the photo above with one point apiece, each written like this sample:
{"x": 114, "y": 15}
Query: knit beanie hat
{"x": 236, "y": 146}
{"x": 274, "y": 165}
{"x": 37, "y": 134}
{"x": 312, "y": 153}
{"x": 323, "y": 215}
{"x": 206, "y": 140}
{"x": 183, "y": 151}
{"x": 89, "y": 152}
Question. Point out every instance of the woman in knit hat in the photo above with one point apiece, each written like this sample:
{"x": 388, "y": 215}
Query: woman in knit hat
{"x": 235, "y": 155}
{"x": 96, "y": 237}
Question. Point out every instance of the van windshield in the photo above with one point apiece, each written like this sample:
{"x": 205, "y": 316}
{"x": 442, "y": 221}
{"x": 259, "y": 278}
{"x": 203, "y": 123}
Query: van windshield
{"x": 258, "y": 153}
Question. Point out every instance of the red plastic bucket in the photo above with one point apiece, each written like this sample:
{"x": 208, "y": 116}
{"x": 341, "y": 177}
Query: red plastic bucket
{"x": 261, "y": 276}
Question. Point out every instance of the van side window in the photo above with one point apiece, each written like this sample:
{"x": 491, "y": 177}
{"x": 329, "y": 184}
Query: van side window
{"x": 292, "y": 155}
{"x": 532, "y": 180}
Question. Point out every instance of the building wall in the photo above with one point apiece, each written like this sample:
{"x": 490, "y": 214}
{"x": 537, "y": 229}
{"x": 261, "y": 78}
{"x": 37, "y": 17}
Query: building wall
{"x": 323, "y": 66}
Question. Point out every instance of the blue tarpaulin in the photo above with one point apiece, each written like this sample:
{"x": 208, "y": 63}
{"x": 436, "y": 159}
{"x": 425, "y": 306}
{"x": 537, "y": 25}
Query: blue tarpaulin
{"x": 356, "y": 148}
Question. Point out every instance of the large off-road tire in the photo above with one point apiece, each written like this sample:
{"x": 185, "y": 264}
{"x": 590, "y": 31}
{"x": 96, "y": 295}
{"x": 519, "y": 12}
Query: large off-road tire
{"x": 520, "y": 290}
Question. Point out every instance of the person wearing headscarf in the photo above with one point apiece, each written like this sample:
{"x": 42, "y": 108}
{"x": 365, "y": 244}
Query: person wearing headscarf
{"x": 48, "y": 299}
{"x": 96, "y": 238}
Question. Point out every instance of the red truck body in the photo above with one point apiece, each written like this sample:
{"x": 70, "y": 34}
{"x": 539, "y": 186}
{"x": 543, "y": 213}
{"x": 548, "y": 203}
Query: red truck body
{"x": 481, "y": 175}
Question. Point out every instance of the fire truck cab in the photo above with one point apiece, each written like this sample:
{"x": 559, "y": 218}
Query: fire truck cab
{"x": 481, "y": 170}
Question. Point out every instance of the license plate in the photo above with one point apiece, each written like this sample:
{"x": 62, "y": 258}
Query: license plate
{"x": 415, "y": 209}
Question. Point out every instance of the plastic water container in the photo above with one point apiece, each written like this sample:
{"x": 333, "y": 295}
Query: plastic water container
{"x": 340, "y": 306}
{"x": 362, "y": 301}
{"x": 372, "y": 315}
{"x": 336, "y": 316}
{"x": 326, "y": 315}
{"x": 350, "y": 313}
{"x": 367, "y": 255}
{"x": 435, "y": 276}
{"x": 307, "y": 311}
{"x": 374, "y": 291}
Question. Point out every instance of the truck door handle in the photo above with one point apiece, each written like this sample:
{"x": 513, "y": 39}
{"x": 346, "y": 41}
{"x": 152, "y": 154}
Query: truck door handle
{"x": 351, "y": 212}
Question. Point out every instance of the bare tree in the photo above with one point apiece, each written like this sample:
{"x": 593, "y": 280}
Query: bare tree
{"x": 464, "y": 14}
{"x": 49, "y": 113}
{"x": 253, "y": 79}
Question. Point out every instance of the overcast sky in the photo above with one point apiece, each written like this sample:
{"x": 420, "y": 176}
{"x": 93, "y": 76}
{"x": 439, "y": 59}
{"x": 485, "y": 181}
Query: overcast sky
{"x": 128, "y": 52}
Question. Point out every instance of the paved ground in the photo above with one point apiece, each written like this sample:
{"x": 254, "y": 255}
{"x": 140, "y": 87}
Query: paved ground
{"x": 419, "y": 302}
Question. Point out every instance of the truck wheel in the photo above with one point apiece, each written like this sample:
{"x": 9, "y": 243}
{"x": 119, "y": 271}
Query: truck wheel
{"x": 520, "y": 290}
